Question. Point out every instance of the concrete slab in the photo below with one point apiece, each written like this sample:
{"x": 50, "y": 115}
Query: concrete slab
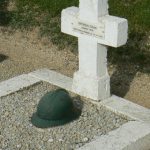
{"x": 16, "y": 83}
{"x": 128, "y": 108}
{"x": 53, "y": 78}
{"x": 131, "y": 136}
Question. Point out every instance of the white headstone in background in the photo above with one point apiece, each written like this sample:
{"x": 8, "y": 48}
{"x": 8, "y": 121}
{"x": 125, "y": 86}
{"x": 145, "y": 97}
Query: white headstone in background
{"x": 96, "y": 30}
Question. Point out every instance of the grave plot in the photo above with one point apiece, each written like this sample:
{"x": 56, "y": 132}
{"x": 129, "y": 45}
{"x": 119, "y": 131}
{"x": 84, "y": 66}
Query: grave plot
{"x": 17, "y": 132}
{"x": 114, "y": 121}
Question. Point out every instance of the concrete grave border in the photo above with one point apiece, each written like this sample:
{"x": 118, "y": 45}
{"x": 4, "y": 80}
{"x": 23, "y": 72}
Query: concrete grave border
{"x": 134, "y": 135}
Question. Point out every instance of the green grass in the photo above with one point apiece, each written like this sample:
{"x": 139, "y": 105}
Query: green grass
{"x": 54, "y": 7}
{"x": 46, "y": 15}
{"x": 136, "y": 11}
{"x": 138, "y": 14}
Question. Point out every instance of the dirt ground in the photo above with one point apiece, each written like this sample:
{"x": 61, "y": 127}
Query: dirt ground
{"x": 23, "y": 52}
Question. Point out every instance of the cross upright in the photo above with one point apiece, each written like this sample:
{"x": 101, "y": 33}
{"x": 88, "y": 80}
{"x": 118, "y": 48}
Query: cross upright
{"x": 95, "y": 30}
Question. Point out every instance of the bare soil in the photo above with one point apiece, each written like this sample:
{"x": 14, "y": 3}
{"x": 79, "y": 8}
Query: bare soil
{"x": 23, "y": 52}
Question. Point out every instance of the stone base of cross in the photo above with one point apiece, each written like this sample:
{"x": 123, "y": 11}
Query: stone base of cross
{"x": 95, "y": 30}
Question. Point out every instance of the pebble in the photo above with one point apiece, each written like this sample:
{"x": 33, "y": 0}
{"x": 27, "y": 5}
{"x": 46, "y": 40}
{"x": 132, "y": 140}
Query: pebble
{"x": 19, "y": 146}
{"x": 60, "y": 140}
{"x": 30, "y": 125}
{"x": 50, "y": 140}
{"x": 85, "y": 139}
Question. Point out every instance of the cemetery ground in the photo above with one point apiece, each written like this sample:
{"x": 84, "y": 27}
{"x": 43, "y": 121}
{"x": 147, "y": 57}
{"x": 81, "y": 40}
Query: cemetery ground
{"x": 30, "y": 39}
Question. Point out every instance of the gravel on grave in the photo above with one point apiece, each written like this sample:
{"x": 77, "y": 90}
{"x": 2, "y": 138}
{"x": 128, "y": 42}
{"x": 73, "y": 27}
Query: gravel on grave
{"x": 17, "y": 132}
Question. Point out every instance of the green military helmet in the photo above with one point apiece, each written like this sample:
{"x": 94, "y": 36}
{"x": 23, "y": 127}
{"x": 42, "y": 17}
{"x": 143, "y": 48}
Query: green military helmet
{"x": 55, "y": 108}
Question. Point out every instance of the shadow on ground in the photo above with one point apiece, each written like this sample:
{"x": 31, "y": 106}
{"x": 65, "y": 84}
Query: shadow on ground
{"x": 5, "y": 15}
{"x": 132, "y": 58}
{"x": 3, "y": 57}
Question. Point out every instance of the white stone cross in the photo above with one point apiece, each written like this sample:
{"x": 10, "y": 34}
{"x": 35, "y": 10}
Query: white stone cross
{"x": 95, "y": 30}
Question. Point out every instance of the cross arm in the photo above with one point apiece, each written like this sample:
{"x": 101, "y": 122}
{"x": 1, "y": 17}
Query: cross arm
{"x": 111, "y": 31}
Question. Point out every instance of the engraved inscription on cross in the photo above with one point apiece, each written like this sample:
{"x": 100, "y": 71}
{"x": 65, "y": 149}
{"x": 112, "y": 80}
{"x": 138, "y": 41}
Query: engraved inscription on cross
{"x": 95, "y": 30}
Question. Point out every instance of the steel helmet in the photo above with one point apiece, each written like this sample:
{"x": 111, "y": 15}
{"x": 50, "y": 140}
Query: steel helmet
{"x": 55, "y": 108}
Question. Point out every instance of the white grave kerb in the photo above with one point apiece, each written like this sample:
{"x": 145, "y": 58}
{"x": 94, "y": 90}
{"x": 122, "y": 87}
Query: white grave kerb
{"x": 95, "y": 30}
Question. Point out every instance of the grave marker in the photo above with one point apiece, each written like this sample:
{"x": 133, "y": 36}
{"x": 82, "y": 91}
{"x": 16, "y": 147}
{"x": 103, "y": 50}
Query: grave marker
{"x": 95, "y": 30}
